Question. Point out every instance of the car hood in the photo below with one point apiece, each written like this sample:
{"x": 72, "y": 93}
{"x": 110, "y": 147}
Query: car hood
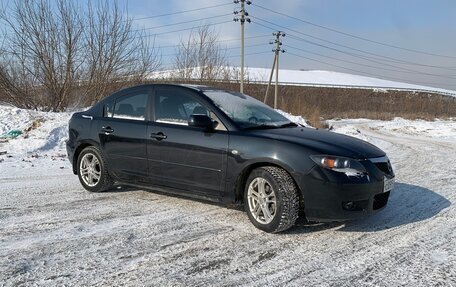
{"x": 324, "y": 142}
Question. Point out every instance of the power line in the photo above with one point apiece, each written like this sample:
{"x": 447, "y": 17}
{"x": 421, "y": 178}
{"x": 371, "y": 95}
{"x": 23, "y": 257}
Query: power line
{"x": 361, "y": 64}
{"x": 181, "y": 12}
{"x": 248, "y": 46}
{"x": 180, "y": 23}
{"x": 364, "y": 57}
{"x": 186, "y": 29}
{"x": 352, "y": 62}
{"x": 231, "y": 56}
{"x": 404, "y": 70}
{"x": 403, "y": 62}
{"x": 355, "y": 36}
{"x": 232, "y": 48}
{"x": 362, "y": 72}
{"x": 219, "y": 41}
{"x": 327, "y": 41}
{"x": 249, "y": 54}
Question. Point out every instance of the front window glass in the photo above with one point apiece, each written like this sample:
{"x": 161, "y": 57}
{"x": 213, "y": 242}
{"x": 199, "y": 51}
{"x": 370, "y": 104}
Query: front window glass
{"x": 132, "y": 107}
{"x": 247, "y": 112}
{"x": 176, "y": 106}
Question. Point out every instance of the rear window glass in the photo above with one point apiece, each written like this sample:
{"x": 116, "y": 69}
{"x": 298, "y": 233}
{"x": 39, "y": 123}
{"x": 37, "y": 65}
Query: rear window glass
{"x": 132, "y": 107}
{"x": 108, "y": 110}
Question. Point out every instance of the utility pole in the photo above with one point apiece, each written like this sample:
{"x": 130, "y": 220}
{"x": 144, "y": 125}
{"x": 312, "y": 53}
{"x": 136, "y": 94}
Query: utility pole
{"x": 243, "y": 18}
{"x": 270, "y": 78}
{"x": 276, "y": 51}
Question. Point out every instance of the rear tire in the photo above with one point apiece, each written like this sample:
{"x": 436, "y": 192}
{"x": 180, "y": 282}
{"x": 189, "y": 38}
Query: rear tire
{"x": 93, "y": 171}
{"x": 271, "y": 199}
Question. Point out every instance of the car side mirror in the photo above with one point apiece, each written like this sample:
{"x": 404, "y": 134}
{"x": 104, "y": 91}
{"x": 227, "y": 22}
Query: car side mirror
{"x": 202, "y": 121}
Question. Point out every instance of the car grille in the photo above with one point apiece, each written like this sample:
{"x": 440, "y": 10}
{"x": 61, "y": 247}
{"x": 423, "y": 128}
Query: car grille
{"x": 380, "y": 200}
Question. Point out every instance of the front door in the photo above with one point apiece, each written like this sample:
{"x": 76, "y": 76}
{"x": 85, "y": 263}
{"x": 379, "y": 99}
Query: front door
{"x": 180, "y": 156}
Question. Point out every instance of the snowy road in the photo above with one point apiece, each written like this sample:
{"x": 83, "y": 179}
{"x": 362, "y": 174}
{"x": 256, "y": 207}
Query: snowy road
{"x": 52, "y": 232}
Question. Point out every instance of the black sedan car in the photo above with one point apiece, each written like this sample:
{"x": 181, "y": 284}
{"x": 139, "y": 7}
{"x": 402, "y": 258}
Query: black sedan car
{"x": 229, "y": 148}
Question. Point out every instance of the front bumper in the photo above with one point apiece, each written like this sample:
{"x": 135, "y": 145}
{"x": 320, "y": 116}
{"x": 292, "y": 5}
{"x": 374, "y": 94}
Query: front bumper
{"x": 335, "y": 197}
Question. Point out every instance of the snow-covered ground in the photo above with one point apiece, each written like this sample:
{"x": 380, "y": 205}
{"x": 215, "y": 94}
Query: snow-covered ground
{"x": 54, "y": 233}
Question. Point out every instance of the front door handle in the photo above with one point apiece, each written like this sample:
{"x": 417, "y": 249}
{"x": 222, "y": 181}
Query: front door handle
{"x": 158, "y": 136}
{"x": 107, "y": 130}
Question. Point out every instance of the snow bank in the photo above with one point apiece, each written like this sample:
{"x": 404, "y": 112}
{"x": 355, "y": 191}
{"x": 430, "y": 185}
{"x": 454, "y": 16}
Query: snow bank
{"x": 296, "y": 119}
{"x": 443, "y": 130}
{"x": 44, "y": 135}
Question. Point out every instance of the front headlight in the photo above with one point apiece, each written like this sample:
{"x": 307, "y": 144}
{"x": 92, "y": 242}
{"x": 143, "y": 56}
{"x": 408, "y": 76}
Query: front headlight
{"x": 345, "y": 165}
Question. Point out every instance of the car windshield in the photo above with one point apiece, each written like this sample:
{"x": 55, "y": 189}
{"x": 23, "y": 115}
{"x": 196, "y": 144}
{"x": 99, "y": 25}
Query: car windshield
{"x": 247, "y": 112}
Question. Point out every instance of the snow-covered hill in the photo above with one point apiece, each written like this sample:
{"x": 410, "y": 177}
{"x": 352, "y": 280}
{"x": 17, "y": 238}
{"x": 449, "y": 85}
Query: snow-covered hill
{"x": 322, "y": 78}
{"x": 326, "y": 78}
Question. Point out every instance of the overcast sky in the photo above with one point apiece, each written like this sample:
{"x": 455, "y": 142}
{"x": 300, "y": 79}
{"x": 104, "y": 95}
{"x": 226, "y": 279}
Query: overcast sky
{"x": 427, "y": 26}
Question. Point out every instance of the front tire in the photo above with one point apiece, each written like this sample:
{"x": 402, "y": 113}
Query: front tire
{"x": 271, "y": 199}
{"x": 92, "y": 170}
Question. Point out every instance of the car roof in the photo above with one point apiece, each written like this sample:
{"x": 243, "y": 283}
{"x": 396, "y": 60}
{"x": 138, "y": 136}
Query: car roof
{"x": 196, "y": 87}
{"x": 200, "y": 88}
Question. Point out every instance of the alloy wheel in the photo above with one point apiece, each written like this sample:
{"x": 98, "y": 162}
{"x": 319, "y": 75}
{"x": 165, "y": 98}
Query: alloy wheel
{"x": 262, "y": 200}
{"x": 90, "y": 169}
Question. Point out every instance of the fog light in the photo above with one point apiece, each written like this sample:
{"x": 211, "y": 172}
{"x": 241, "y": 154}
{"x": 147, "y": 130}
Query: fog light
{"x": 348, "y": 205}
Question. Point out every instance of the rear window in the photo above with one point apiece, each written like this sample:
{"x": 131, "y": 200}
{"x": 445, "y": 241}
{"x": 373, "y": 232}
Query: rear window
{"x": 132, "y": 108}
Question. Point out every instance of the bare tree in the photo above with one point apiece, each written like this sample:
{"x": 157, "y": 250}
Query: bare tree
{"x": 42, "y": 49}
{"x": 200, "y": 56}
{"x": 115, "y": 52}
{"x": 58, "y": 56}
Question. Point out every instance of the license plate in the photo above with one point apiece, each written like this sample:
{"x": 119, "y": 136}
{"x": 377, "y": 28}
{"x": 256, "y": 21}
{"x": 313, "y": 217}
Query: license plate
{"x": 388, "y": 184}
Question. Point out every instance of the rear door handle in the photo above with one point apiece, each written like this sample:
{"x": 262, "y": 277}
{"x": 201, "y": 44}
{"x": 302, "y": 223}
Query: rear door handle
{"x": 107, "y": 130}
{"x": 158, "y": 136}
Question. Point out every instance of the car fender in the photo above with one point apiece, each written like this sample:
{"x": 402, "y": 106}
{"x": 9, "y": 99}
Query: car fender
{"x": 246, "y": 153}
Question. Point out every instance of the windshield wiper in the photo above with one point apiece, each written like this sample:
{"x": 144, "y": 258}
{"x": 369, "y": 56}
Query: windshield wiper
{"x": 290, "y": 124}
{"x": 262, "y": 126}
{"x": 269, "y": 126}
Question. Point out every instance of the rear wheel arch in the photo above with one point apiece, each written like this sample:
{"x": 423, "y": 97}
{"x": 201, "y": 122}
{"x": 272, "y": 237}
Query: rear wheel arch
{"x": 78, "y": 151}
{"x": 92, "y": 170}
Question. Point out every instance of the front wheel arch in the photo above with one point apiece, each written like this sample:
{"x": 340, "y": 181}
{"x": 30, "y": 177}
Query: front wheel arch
{"x": 244, "y": 175}
{"x": 271, "y": 199}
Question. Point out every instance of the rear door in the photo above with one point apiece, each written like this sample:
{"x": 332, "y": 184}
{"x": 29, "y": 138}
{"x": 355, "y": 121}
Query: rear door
{"x": 122, "y": 134}
{"x": 180, "y": 156}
